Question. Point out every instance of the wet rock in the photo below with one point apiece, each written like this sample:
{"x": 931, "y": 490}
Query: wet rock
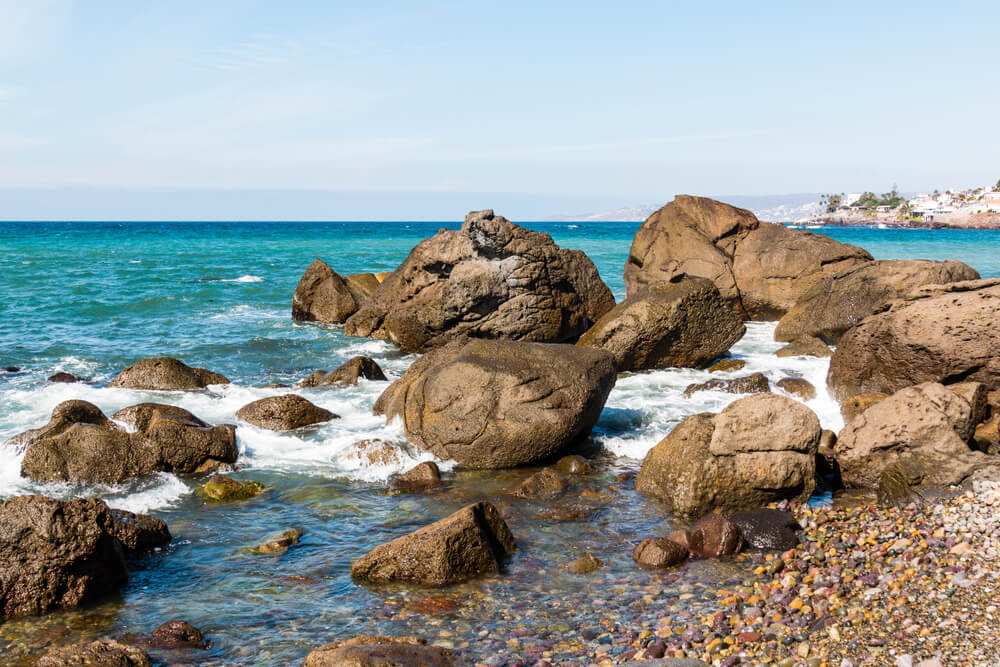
{"x": 768, "y": 529}
{"x": 727, "y": 365}
{"x": 104, "y": 653}
{"x": 939, "y": 333}
{"x": 223, "y": 489}
{"x": 279, "y": 544}
{"x": 284, "y": 413}
{"x": 667, "y": 324}
{"x": 64, "y": 377}
{"x": 423, "y": 477}
{"x": 500, "y": 404}
{"x": 924, "y": 430}
{"x": 166, "y": 374}
{"x": 375, "y": 452}
{"x": 758, "y": 450}
{"x": 470, "y": 542}
{"x": 373, "y": 651}
{"x": 856, "y": 405}
{"x": 177, "y": 634}
{"x": 491, "y": 279}
{"x": 659, "y": 552}
{"x": 139, "y": 533}
{"x": 12, "y": 369}
{"x": 64, "y": 415}
{"x": 546, "y": 483}
{"x": 584, "y": 565}
{"x": 804, "y": 389}
{"x": 56, "y": 554}
{"x": 839, "y": 302}
{"x": 97, "y": 450}
{"x": 806, "y": 346}
{"x": 748, "y": 384}
{"x": 574, "y": 464}
{"x": 323, "y": 295}
{"x": 346, "y": 374}
{"x": 714, "y": 536}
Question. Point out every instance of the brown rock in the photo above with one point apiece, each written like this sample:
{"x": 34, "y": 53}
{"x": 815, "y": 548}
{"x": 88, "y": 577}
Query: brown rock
{"x": 574, "y": 464}
{"x": 805, "y": 347}
{"x": 940, "y": 333}
{"x": 56, "y": 554}
{"x": 768, "y": 529}
{"x": 423, "y": 477}
{"x": 347, "y": 373}
{"x": 374, "y": 452}
{"x": 63, "y": 377}
{"x": 64, "y": 415}
{"x": 165, "y": 374}
{"x": 101, "y": 653}
{"x": 178, "y": 634}
{"x": 546, "y": 483}
{"x": 659, "y": 552}
{"x": 714, "y": 536}
{"x": 804, "y": 389}
{"x": 748, "y": 384}
{"x": 492, "y": 279}
{"x": 974, "y": 394}
{"x": 724, "y": 365}
{"x": 668, "y": 324}
{"x": 855, "y": 405}
{"x": 986, "y": 438}
{"x": 223, "y": 489}
{"x": 500, "y": 404}
{"x": 840, "y": 301}
{"x": 470, "y": 542}
{"x": 138, "y": 532}
{"x": 323, "y": 295}
{"x": 279, "y": 544}
{"x": 584, "y": 565}
{"x": 284, "y": 413}
{"x": 371, "y": 651}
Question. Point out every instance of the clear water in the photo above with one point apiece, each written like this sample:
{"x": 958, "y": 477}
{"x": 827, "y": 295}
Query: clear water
{"x": 92, "y": 298}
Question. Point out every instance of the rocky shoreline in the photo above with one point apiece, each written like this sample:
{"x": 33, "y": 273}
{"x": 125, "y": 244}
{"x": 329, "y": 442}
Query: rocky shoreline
{"x": 873, "y": 219}
{"x": 521, "y": 345}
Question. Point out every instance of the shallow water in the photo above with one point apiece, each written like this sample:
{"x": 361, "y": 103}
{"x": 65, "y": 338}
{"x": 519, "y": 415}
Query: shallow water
{"x": 92, "y": 298}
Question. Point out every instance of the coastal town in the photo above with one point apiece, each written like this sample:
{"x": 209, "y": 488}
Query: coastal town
{"x": 977, "y": 207}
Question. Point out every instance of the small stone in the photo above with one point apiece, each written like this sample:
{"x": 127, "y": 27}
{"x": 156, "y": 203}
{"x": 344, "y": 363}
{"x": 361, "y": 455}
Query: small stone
{"x": 585, "y": 565}
{"x": 279, "y": 544}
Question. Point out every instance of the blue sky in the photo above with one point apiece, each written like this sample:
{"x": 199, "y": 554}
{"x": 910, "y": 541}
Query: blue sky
{"x": 533, "y": 105}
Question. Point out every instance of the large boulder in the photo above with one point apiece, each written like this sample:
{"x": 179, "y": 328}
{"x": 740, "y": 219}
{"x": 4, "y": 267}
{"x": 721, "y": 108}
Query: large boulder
{"x": 758, "y": 450}
{"x": 348, "y": 373}
{"x": 667, "y": 324}
{"x": 64, "y": 415}
{"x": 922, "y": 431}
{"x": 166, "y": 438}
{"x": 165, "y": 374}
{"x": 377, "y": 651}
{"x": 759, "y": 268}
{"x": 490, "y": 279}
{"x": 100, "y": 653}
{"x": 838, "y": 302}
{"x": 474, "y": 540}
{"x": 323, "y": 295}
{"x": 284, "y": 413}
{"x": 939, "y": 333}
{"x": 56, "y": 554}
{"x": 500, "y": 404}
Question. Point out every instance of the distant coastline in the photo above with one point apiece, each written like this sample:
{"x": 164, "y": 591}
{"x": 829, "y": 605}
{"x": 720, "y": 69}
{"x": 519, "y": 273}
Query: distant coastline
{"x": 956, "y": 220}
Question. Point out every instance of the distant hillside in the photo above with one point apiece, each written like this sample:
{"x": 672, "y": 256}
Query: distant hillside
{"x": 776, "y": 208}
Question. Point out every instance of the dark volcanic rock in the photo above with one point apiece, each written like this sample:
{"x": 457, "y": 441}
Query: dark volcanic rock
{"x": 101, "y": 653}
{"x": 323, "y": 295}
{"x": 371, "y": 651}
{"x": 165, "y": 374}
{"x": 748, "y": 384}
{"x": 139, "y": 532}
{"x": 768, "y": 529}
{"x": 347, "y": 373}
{"x": 470, "y": 542}
{"x": 56, "y": 554}
{"x": 667, "y": 324}
{"x": 284, "y": 413}
{"x": 491, "y": 279}
{"x": 659, "y": 552}
{"x": 423, "y": 477}
{"x": 500, "y": 404}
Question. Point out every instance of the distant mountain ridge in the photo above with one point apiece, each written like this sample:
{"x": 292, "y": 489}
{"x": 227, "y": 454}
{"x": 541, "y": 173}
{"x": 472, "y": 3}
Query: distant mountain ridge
{"x": 772, "y": 208}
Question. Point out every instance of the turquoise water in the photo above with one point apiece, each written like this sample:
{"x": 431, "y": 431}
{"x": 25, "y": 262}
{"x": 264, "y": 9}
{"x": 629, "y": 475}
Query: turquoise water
{"x": 92, "y": 298}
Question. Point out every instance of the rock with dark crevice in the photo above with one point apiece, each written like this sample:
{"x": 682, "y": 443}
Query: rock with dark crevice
{"x": 768, "y": 529}
{"x": 325, "y": 296}
{"x": 346, "y": 374}
{"x": 139, "y": 533}
{"x": 422, "y": 477}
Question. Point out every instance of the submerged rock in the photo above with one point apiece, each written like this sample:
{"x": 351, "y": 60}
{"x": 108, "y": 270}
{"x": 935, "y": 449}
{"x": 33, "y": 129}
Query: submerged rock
{"x": 166, "y": 374}
{"x": 279, "y": 544}
{"x": 574, "y": 464}
{"x": 323, "y": 295}
{"x": 500, "y": 404}
{"x": 346, "y": 374}
{"x": 725, "y": 365}
{"x": 659, "y": 552}
{"x": 423, "y": 477}
{"x": 584, "y": 565}
{"x": 470, "y": 542}
{"x": 491, "y": 279}
{"x": 667, "y": 324}
{"x": 284, "y": 413}
{"x": 223, "y": 489}
{"x": 56, "y": 554}
{"x": 103, "y": 653}
{"x": 546, "y": 483}
{"x": 177, "y": 634}
{"x": 138, "y": 532}
{"x": 373, "y": 651}
{"x": 748, "y": 384}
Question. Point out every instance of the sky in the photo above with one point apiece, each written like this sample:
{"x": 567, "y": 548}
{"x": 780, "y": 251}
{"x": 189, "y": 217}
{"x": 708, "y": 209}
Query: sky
{"x": 369, "y": 110}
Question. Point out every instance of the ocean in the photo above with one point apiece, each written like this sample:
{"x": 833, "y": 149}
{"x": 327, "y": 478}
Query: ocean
{"x": 91, "y": 298}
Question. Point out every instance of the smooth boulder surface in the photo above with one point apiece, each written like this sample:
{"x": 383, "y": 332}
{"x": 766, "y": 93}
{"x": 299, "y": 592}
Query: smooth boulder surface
{"x": 768, "y": 529}
{"x": 56, "y": 554}
{"x": 167, "y": 439}
{"x": 758, "y": 450}
{"x": 500, "y": 404}
{"x": 139, "y": 533}
{"x": 714, "y": 536}
{"x": 923, "y": 431}
{"x": 223, "y": 489}
{"x": 804, "y": 389}
{"x": 101, "y": 653}
{"x": 377, "y": 651}
{"x": 667, "y": 324}
{"x": 490, "y": 279}
{"x": 806, "y": 346}
{"x": 748, "y": 384}
{"x": 166, "y": 374}
{"x": 284, "y": 413}
{"x": 939, "y": 333}
{"x": 838, "y": 302}
{"x": 323, "y": 295}
{"x": 64, "y": 415}
{"x": 348, "y": 373}
{"x": 760, "y": 269}
{"x": 474, "y": 540}
{"x": 659, "y": 552}
{"x": 422, "y": 477}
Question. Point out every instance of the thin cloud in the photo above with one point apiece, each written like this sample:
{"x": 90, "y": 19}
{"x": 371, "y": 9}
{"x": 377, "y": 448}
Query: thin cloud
{"x": 251, "y": 54}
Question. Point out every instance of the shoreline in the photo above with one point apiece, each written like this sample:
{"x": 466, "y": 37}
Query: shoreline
{"x": 988, "y": 221}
